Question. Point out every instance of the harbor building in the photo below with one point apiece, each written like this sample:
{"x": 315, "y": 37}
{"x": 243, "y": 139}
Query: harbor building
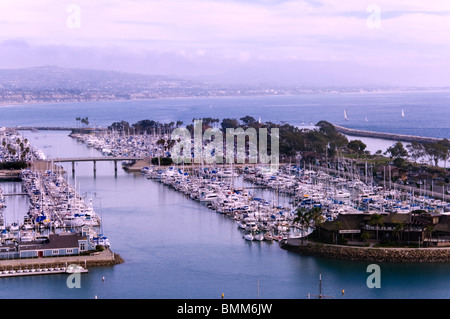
{"x": 54, "y": 245}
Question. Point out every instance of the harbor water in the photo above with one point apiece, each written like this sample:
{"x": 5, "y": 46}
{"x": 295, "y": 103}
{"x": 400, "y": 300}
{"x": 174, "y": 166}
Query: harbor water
{"x": 175, "y": 247}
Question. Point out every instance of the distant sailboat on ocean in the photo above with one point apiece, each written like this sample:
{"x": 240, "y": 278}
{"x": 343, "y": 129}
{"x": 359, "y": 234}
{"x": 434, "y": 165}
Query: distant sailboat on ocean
{"x": 403, "y": 113}
{"x": 366, "y": 119}
{"x": 345, "y": 115}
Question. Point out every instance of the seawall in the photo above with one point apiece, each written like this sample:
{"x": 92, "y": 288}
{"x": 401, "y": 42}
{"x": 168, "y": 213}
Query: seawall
{"x": 386, "y": 136}
{"x": 353, "y": 253}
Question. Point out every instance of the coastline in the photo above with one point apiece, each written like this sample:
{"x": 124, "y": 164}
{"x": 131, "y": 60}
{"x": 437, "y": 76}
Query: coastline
{"x": 371, "y": 254}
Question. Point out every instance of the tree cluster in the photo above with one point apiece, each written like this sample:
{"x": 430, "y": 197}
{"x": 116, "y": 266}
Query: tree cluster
{"x": 144, "y": 127}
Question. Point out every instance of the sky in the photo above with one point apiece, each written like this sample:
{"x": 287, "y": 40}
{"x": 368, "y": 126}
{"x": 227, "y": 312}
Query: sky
{"x": 301, "y": 42}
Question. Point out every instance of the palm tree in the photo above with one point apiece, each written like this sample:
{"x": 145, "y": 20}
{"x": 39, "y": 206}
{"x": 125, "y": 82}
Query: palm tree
{"x": 303, "y": 217}
{"x": 337, "y": 228}
{"x": 365, "y": 236}
{"x": 376, "y": 219}
{"x": 399, "y": 228}
{"x": 429, "y": 229}
{"x": 317, "y": 217}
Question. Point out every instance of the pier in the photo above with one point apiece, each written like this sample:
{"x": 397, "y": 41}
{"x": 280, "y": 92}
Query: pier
{"x": 386, "y": 136}
{"x": 56, "y": 128}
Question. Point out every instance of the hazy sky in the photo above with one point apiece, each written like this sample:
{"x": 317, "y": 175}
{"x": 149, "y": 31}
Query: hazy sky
{"x": 301, "y": 41}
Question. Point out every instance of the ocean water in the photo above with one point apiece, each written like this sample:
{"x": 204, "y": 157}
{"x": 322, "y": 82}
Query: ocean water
{"x": 426, "y": 113}
{"x": 175, "y": 247}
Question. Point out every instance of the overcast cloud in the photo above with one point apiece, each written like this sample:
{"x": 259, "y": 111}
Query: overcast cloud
{"x": 298, "y": 42}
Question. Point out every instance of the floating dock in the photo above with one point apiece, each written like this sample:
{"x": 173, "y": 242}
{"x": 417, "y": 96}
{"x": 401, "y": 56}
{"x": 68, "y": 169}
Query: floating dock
{"x": 57, "y": 265}
{"x": 42, "y": 271}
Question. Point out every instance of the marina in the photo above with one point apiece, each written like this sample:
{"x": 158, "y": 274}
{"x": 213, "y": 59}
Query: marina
{"x": 227, "y": 151}
{"x": 173, "y": 241}
{"x": 56, "y": 208}
{"x": 58, "y": 222}
{"x": 227, "y": 189}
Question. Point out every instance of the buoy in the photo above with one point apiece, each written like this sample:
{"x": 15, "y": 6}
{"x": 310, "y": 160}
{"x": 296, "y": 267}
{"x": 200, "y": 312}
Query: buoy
{"x": 95, "y": 297}
{"x": 103, "y": 278}
{"x": 343, "y": 292}
{"x": 222, "y": 295}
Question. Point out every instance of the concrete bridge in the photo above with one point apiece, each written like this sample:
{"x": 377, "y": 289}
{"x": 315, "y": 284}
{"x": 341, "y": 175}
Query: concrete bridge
{"x": 73, "y": 160}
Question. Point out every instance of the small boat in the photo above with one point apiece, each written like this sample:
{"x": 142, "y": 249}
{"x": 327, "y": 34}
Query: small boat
{"x": 241, "y": 224}
{"x": 258, "y": 237}
{"x": 210, "y": 197}
{"x": 248, "y": 236}
{"x": 251, "y": 225}
{"x": 403, "y": 113}
{"x": 345, "y": 115}
{"x": 268, "y": 236}
{"x": 14, "y": 227}
{"x": 225, "y": 174}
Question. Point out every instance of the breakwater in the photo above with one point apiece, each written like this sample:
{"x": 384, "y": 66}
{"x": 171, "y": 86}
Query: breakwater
{"x": 386, "y": 136}
{"x": 56, "y": 128}
{"x": 354, "y": 253}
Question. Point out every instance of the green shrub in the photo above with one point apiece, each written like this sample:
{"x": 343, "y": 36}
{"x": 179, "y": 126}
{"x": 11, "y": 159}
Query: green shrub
{"x": 342, "y": 240}
{"x": 13, "y": 165}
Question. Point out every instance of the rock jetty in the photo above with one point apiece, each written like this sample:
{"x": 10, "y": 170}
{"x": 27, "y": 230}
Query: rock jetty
{"x": 372, "y": 254}
{"x": 386, "y": 136}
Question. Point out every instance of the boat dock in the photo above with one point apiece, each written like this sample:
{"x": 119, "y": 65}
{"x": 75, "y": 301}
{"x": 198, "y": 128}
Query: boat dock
{"x": 43, "y": 271}
{"x": 57, "y": 265}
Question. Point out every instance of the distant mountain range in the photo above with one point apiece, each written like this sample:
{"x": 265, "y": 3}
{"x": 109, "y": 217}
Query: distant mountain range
{"x": 55, "y": 84}
{"x": 53, "y": 77}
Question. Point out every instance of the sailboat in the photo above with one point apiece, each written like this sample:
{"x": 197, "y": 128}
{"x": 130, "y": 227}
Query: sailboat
{"x": 366, "y": 119}
{"x": 345, "y": 115}
{"x": 403, "y": 113}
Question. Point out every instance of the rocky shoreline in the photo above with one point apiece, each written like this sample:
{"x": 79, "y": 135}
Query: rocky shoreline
{"x": 353, "y": 253}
